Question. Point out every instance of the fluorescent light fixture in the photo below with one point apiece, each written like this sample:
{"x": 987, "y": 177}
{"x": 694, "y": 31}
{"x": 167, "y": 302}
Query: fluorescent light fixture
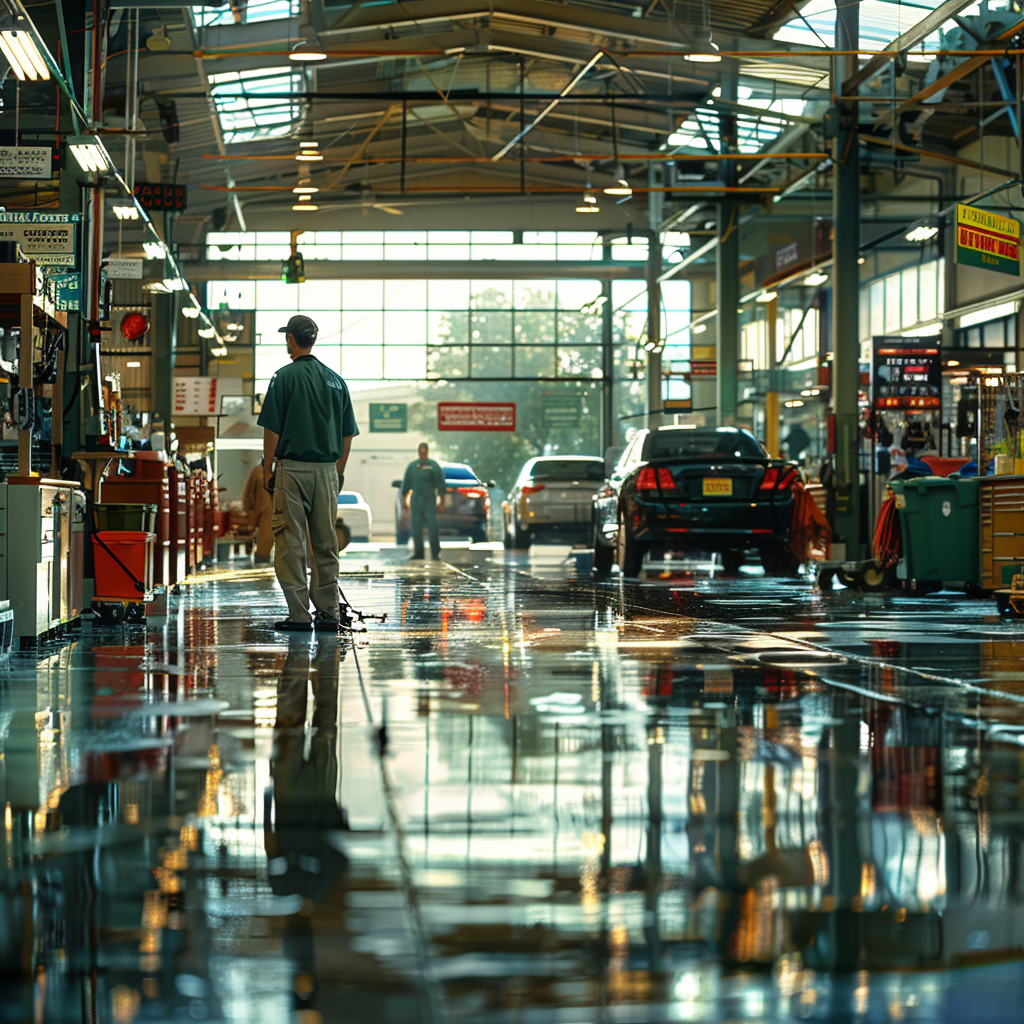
{"x": 305, "y": 190}
{"x": 589, "y": 197}
{"x": 206, "y": 332}
{"x": 125, "y": 212}
{"x": 982, "y": 316}
{"x": 588, "y": 208}
{"x": 24, "y": 57}
{"x": 815, "y": 278}
{"x": 218, "y": 352}
{"x": 767, "y": 296}
{"x": 922, "y": 233}
{"x": 235, "y": 327}
{"x": 174, "y": 284}
{"x": 794, "y": 404}
{"x": 133, "y": 364}
{"x": 952, "y": 362}
{"x": 309, "y": 155}
{"x": 154, "y": 250}
{"x": 309, "y": 145}
{"x": 307, "y": 50}
{"x": 88, "y": 153}
{"x": 698, "y": 328}
{"x": 190, "y": 313}
{"x": 230, "y": 337}
{"x": 305, "y": 206}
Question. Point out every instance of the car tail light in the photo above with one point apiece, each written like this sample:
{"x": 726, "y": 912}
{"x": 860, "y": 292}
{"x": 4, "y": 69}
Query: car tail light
{"x": 472, "y": 492}
{"x": 532, "y": 489}
{"x": 651, "y": 479}
{"x": 776, "y": 478}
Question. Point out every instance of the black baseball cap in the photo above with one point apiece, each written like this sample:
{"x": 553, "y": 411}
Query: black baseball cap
{"x": 304, "y": 329}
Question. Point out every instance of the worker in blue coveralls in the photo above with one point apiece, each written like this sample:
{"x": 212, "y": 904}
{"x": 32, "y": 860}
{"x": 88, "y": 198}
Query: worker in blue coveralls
{"x": 424, "y": 489}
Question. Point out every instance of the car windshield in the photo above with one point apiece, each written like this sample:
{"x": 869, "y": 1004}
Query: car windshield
{"x": 347, "y": 499}
{"x": 696, "y": 444}
{"x": 463, "y": 474}
{"x": 568, "y": 469}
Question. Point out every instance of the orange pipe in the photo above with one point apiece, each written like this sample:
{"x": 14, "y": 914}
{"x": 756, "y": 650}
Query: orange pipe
{"x": 561, "y": 158}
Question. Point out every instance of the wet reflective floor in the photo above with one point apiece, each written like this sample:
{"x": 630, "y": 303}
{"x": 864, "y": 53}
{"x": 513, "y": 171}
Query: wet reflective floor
{"x": 525, "y": 797}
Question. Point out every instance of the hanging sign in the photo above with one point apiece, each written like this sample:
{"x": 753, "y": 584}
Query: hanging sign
{"x": 906, "y": 373}
{"x": 987, "y": 240}
{"x": 38, "y": 233}
{"x": 388, "y": 417}
{"x": 26, "y": 162}
{"x": 67, "y": 291}
{"x": 195, "y": 396}
{"x": 562, "y": 410}
{"x": 119, "y": 269}
{"x": 488, "y": 416}
{"x": 154, "y": 195}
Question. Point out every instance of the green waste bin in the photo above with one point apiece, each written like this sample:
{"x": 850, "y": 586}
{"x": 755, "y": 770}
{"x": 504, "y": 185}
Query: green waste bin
{"x": 939, "y": 529}
{"x": 131, "y": 518}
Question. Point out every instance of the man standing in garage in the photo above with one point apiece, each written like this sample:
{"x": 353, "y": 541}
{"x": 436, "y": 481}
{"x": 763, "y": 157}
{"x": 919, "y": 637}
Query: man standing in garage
{"x": 308, "y": 426}
{"x": 424, "y": 490}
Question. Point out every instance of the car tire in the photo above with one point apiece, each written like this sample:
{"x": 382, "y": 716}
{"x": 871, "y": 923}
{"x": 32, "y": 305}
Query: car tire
{"x": 604, "y": 558}
{"x": 778, "y": 560}
{"x": 629, "y": 553}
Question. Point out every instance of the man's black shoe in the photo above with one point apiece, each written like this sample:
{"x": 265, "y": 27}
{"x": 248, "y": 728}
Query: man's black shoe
{"x": 325, "y": 624}
{"x": 288, "y": 626}
{"x": 416, "y": 558}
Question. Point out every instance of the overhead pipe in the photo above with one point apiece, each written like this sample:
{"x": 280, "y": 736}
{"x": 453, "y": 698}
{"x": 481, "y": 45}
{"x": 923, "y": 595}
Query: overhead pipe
{"x": 554, "y": 158}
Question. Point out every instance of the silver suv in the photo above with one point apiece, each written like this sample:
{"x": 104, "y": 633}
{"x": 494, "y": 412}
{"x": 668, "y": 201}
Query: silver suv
{"x": 551, "y": 500}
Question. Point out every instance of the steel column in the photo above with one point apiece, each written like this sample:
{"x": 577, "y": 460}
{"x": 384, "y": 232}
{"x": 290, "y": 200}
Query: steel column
{"x": 727, "y": 267}
{"x": 848, "y": 525}
{"x": 655, "y": 402}
{"x": 166, "y": 309}
{"x": 609, "y": 428}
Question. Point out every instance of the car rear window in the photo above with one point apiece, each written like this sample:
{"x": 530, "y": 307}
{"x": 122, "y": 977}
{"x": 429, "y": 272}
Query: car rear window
{"x": 461, "y": 473}
{"x": 347, "y": 499}
{"x": 568, "y": 469}
{"x": 695, "y": 444}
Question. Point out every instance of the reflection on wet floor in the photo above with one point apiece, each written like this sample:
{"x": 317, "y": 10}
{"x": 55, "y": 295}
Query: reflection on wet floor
{"x": 526, "y": 798}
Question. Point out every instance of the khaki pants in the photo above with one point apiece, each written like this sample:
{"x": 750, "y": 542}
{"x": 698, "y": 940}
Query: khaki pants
{"x": 306, "y": 498}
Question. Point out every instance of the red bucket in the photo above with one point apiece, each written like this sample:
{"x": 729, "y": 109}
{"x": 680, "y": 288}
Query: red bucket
{"x": 134, "y": 551}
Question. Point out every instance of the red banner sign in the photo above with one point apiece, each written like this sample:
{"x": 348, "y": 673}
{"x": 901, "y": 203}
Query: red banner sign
{"x": 703, "y": 368}
{"x": 476, "y": 416}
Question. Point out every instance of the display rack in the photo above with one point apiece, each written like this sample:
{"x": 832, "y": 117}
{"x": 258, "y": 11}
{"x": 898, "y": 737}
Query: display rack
{"x": 1000, "y": 419}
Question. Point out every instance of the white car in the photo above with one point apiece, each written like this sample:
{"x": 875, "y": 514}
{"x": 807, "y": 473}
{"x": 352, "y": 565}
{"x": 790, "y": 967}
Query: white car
{"x": 354, "y": 518}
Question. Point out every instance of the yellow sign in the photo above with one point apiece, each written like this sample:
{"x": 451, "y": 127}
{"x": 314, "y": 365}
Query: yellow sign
{"x": 987, "y": 240}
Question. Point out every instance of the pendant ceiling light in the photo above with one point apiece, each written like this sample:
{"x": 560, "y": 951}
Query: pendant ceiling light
{"x": 703, "y": 49}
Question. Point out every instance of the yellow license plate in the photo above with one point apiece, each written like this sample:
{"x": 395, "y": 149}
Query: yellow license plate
{"x": 717, "y": 487}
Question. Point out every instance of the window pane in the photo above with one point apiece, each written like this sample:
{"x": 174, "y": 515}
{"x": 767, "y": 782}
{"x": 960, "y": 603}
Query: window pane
{"x": 329, "y": 355}
{"x": 929, "y": 291}
{"x": 492, "y": 361}
{"x": 445, "y": 361}
{"x": 362, "y": 294}
{"x": 358, "y": 253}
{"x": 534, "y": 361}
{"x": 362, "y": 362}
{"x": 405, "y": 328}
{"x": 314, "y": 295}
{"x": 235, "y": 294}
{"x": 405, "y": 294}
{"x": 491, "y": 327}
{"x": 447, "y": 327}
{"x": 994, "y": 334}
{"x": 909, "y": 284}
{"x": 578, "y": 329}
{"x": 893, "y": 308}
{"x": 877, "y": 291}
{"x": 579, "y": 362}
{"x": 535, "y": 328}
{"x": 448, "y": 294}
{"x": 362, "y": 328}
{"x": 630, "y": 296}
{"x": 405, "y": 362}
{"x": 491, "y": 294}
{"x": 535, "y": 294}
{"x": 573, "y": 295}
{"x": 277, "y": 295}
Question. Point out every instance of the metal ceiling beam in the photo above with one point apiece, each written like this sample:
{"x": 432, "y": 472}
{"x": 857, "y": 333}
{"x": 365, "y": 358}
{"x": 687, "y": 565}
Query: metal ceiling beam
{"x": 948, "y": 79}
{"x": 924, "y": 28}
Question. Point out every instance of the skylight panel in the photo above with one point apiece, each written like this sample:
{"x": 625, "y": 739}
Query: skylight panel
{"x": 881, "y": 21}
{"x": 255, "y": 10}
{"x": 249, "y": 106}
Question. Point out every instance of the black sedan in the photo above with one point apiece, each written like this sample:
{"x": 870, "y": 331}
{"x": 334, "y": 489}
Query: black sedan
{"x": 685, "y": 489}
{"x": 467, "y": 506}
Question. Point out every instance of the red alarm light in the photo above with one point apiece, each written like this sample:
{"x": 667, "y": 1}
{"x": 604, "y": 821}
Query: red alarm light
{"x": 134, "y": 326}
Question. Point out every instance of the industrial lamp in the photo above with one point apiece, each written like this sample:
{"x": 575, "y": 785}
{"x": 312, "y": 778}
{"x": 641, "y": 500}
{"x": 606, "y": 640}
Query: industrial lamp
{"x": 88, "y": 153}
{"x": 307, "y": 50}
{"x": 23, "y": 55}
{"x": 702, "y": 47}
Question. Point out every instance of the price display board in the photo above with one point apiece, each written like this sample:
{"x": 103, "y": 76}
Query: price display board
{"x": 906, "y": 373}
{"x": 157, "y": 196}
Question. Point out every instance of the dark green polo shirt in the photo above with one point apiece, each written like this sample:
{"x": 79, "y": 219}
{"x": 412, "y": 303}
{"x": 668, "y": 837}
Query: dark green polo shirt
{"x": 309, "y": 406}
{"x": 424, "y": 481}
